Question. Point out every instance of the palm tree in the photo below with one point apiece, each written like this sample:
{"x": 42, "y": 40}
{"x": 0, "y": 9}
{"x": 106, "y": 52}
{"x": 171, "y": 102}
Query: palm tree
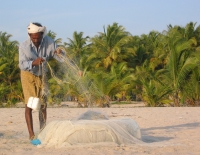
{"x": 191, "y": 93}
{"x": 181, "y": 60}
{"x": 76, "y": 48}
{"x": 109, "y": 46}
{"x": 154, "y": 93}
{"x": 9, "y": 68}
{"x": 53, "y": 36}
{"x": 115, "y": 84}
{"x": 150, "y": 86}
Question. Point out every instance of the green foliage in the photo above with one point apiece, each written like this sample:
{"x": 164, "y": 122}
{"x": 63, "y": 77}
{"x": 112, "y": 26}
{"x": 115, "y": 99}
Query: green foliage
{"x": 9, "y": 71}
{"x": 181, "y": 61}
{"x": 154, "y": 94}
{"x": 158, "y": 68}
{"x": 76, "y": 48}
{"x": 109, "y": 46}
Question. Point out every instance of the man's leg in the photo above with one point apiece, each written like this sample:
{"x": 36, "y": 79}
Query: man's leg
{"x": 29, "y": 89}
{"x": 29, "y": 121}
{"x": 43, "y": 116}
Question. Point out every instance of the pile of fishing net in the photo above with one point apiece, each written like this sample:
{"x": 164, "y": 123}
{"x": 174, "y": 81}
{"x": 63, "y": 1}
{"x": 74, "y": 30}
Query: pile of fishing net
{"x": 92, "y": 127}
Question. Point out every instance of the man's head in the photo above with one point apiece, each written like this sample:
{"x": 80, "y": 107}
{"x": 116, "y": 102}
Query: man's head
{"x": 36, "y": 31}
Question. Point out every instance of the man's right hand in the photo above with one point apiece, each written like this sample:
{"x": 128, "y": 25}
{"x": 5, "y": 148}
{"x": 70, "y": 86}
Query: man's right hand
{"x": 38, "y": 61}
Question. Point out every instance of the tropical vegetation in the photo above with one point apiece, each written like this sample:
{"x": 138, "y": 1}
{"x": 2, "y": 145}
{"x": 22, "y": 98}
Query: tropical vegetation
{"x": 159, "y": 68}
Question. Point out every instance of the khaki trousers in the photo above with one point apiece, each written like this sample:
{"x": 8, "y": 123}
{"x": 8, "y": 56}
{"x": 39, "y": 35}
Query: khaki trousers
{"x": 31, "y": 85}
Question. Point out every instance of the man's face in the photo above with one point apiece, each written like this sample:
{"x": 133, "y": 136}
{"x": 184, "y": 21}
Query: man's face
{"x": 36, "y": 38}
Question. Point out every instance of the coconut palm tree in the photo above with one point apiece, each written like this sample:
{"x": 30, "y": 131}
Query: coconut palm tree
{"x": 109, "y": 46}
{"x": 181, "y": 60}
{"x": 10, "y": 71}
{"x": 76, "y": 48}
{"x": 191, "y": 94}
{"x": 53, "y": 36}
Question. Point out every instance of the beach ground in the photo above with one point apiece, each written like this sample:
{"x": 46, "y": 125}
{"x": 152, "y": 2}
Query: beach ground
{"x": 164, "y": 130}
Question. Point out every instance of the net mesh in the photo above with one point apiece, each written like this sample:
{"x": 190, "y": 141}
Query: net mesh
{"x": 91, "y": 127}
{"x": 68, "y": 77}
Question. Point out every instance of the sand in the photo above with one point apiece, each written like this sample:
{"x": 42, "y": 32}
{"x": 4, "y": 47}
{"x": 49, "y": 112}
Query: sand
{"x": 165, "y": 131}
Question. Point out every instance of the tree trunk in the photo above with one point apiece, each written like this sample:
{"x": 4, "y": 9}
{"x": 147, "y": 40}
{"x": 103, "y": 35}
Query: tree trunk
{"x": 176, "y": 100}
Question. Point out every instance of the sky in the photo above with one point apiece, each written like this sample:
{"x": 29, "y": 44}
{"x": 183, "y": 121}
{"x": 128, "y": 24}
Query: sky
{"x": 64, "y": 17}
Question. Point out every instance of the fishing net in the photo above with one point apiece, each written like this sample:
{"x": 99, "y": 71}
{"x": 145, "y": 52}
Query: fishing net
{"x": 91, "y": 127}
{"x": 67, "y": 75}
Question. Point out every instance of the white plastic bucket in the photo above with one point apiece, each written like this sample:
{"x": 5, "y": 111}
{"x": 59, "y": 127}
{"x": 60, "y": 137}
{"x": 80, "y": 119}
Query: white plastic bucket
{"x": 34, "y": 103}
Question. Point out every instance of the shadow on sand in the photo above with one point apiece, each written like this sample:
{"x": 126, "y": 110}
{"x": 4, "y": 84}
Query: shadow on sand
{"x": 146, "y": 136}
{"x": 152, "y": 139}
{"x": 1, "y": 134}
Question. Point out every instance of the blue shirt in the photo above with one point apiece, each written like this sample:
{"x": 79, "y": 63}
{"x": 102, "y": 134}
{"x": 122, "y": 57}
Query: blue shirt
{"x": 28, "y": 53}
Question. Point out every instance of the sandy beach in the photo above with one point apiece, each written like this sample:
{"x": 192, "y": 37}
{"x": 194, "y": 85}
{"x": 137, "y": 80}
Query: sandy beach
{"x": 164, "y": 130}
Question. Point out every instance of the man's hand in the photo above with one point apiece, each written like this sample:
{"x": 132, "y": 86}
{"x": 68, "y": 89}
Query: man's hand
{"x": 58, "y": 51}
{"x": 37, "y": 61}
{"x": 80, "y": 73}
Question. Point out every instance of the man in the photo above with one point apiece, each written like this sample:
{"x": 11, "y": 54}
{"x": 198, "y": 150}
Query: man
{"x": 37, "y": 49}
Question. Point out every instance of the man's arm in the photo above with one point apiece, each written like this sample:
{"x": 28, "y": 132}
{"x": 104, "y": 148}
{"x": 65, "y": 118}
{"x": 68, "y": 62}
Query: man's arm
{"x": 24, "y": 63}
